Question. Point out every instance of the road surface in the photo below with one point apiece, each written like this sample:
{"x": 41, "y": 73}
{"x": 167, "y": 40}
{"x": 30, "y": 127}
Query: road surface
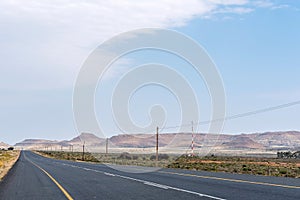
{"x": 36, "y": 177}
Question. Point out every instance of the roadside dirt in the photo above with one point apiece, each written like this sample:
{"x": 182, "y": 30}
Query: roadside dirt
{"x": 7, "y": 161}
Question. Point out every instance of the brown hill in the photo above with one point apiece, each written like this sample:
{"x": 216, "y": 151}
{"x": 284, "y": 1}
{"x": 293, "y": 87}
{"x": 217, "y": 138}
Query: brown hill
{"x": 262, "y": 141}
{"x": 278, "y": 140}
{"x": 87, "y": 138}
{"x": 30, "y": 142}
{"x": 242, "y": 142}
{"x": 142, "y": 140}
{"x": 37, "y": 144}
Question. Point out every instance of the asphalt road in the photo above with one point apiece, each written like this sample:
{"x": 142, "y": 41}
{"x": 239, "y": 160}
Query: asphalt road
{"x": 36, "y": 177}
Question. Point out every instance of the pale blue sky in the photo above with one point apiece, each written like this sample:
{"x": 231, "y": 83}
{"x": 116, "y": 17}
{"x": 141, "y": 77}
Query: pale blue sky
{"x": 255, "y": 45}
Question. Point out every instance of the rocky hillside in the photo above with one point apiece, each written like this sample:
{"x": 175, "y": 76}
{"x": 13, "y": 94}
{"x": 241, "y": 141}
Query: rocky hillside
{"x": 243, "y": 142}
{"x": 278, "y": 140}
{"x": 87, "y": 138}
{"x": 261, "y": 141}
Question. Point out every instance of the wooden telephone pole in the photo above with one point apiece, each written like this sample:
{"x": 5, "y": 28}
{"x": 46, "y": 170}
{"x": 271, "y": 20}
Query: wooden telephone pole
{"x": 83, "y": 151}
{"x": 106, "y": 147}
{"x": 192, "y": 139}
{"x": 156, "y": 146}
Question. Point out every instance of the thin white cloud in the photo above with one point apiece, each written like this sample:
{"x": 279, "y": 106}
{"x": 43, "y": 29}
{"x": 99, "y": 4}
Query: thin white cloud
{"x": 236, "y": 10}
{"x": 263, "y": 3}
{"x": 43, "y": 43}
{"x": 269, "y": 4}
{"x": 276, "y": 7}
{"x": 229, "y": 2}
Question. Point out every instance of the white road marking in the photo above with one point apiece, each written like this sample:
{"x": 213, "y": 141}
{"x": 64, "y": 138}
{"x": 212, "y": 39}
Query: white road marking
{"x": 156, "y": 185}
{"x": 166, "y": 187}
{"x": 108, "y": 174}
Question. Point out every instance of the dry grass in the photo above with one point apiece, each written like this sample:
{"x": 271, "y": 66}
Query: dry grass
{"x": 241, "y": 165}
{"x": 7, "y": 160}
{"x": 113, "y": 158}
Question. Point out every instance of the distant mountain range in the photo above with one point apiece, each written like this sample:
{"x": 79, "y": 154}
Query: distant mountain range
{"x": 288, "y": 140}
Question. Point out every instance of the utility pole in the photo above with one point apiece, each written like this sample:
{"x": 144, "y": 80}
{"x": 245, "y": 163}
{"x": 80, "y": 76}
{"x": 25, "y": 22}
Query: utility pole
{"x": 106, "y": 147}
{"x": 192, "y": 139}
{"x": 83, "y": 150}
{"x": 156, "y": 146}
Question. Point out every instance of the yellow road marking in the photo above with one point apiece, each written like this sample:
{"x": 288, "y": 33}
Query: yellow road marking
{"x": 68, "y": 196}
{"x": 232, "y": 180}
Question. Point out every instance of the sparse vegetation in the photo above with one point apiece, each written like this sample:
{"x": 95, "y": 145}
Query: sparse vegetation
{"x": 160, "y": 157}
{"x": 288, "y": 155}
{"x": 7, "y": 159}
{"x": 75, "y": 156}
{"x": 124, "y": 158}
{"x": 242, "y": 165}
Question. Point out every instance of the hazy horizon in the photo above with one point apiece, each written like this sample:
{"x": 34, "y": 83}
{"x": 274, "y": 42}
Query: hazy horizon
{"x": 68, "y": 139}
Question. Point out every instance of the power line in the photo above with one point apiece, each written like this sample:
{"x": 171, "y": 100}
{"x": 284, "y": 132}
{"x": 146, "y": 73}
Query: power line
{"x": 241, "y": 115}
{"x": 278, "y": 107}
{"x": 236, "y": 116}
